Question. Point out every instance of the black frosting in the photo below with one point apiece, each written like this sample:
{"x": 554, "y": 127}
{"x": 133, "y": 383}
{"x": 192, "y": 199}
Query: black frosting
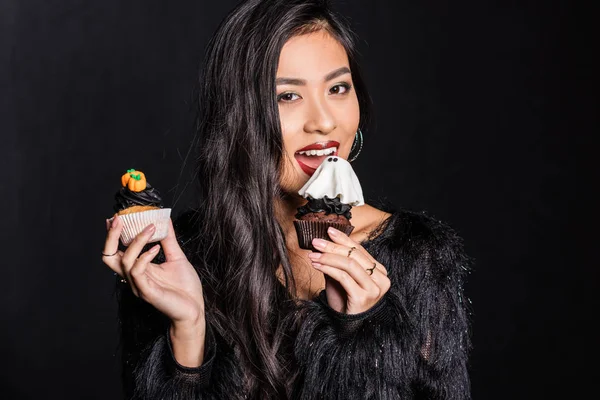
{"x": 330, "y": 206}
{"x": 125, "y": 198}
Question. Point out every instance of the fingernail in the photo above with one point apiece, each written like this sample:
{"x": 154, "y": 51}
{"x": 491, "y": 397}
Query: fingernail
{"x": 316, "y": 265}
{"x": 319, "y": 243}
{"x": 314, "y": 256}
{"x": 155, "y": 249}
{"x": 333, "y": 232}
{"x": 114, "y": 222}
{"x": 108, "y": 224}
{"x": 149, "y": 229}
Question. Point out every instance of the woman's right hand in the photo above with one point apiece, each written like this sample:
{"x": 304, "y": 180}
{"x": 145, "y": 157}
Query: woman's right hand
{"x": 172, "y": 287}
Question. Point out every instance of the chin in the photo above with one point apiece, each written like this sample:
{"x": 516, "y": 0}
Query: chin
{"x": 291, "y": 188}
{"x": 292, "y": 181}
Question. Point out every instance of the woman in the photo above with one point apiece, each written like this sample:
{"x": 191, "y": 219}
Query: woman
{"x": 237, "y": 310}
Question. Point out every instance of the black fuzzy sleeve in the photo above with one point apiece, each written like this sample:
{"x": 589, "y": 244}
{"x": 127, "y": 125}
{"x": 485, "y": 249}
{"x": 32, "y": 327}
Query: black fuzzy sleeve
{"x": 413, "y": 344}
{"x": 150, "y": 370}
{"x": 159, "y": 376}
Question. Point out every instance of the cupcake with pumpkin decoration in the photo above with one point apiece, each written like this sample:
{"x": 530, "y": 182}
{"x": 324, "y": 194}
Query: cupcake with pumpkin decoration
{"x": 138, "y": 205}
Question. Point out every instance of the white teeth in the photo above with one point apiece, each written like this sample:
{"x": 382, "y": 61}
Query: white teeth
{"x": 323, "y": 152}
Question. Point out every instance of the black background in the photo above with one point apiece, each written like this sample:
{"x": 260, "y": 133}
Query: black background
{"x": 485, "y": 118}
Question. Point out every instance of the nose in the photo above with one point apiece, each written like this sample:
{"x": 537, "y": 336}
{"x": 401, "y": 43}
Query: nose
{"x": 319, "y": 119}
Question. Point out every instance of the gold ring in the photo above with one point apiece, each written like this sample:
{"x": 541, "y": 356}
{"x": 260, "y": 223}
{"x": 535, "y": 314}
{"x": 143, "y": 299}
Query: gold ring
{"x": 351, "y": 250}
{"x": 110, "y": 255}
{"x": 372, "y": 269}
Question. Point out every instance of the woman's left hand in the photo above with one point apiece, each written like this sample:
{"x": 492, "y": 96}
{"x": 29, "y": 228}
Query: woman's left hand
{"x": 359, "y": 280}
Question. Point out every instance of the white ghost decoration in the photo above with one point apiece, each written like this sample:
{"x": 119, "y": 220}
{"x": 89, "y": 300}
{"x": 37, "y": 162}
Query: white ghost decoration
{"x": 334, "y": 178}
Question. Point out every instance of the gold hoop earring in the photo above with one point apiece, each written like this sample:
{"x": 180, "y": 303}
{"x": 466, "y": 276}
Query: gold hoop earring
{"x": 358, "y": 142}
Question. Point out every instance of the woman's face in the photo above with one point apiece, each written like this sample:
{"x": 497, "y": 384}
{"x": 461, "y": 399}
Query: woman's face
{"x": 318, "y": 106}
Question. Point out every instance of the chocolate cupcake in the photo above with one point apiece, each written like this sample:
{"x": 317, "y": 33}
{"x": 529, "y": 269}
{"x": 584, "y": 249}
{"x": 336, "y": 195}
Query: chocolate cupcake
{"x": 138, "y": 205}
{"x": 331, "y": 193}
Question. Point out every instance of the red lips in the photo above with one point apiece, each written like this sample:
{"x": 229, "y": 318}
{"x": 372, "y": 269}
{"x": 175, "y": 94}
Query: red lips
{"x": 309, "y": 164}
{"x": 321, "y": 145}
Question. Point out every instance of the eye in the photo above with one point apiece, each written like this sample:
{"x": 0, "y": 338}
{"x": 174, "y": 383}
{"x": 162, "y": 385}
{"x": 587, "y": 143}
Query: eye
{"x": 287, "y": 97}
{"x": 340, "y": 88}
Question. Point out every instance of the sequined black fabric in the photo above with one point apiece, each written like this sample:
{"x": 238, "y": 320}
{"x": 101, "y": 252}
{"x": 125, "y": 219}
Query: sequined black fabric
{"x": 413, "y": 344}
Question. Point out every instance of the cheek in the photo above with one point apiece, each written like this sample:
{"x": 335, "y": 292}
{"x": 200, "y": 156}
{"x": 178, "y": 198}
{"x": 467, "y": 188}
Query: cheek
{"x": 288, "y": 147}
{"x": 290, "y": 179}
{"x": 290, "y": 123}
{"x": 288, "y": 173}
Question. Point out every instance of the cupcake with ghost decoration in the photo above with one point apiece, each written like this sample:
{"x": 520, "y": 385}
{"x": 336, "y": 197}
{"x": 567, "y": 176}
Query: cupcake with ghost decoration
{"x": 138, "y": 205}
{"x": 331, "y": 192}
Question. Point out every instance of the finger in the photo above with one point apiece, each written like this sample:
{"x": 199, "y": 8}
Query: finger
{"x": 356, "y": 251}
{"x": 344, "y": 250}
{"x": 170, "y": 245}
{"x": 111, "y": 255}
{"x": 348, "y": 283}
{"x": 341, "y": 238}
{"x": 348, "y": 265}
{"x": 137, "y": 274}
{"x": 111, "y": 245}
{"x": 136, "y": 246}
{"x": 381, "y": 280}
{"x": 114, "y": 263}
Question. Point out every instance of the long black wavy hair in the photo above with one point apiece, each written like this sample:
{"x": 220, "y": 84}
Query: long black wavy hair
{"x": 242, "y": 245}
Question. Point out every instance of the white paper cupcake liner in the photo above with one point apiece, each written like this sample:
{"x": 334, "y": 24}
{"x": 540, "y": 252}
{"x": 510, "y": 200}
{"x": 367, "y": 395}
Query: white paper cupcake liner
{"x": 134, "y": 223}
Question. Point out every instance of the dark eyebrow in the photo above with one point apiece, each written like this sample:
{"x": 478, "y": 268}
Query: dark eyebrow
{"x": 336, "y": 73}
{"x": 302, "y": 82}
{"x": 290, "y": 81}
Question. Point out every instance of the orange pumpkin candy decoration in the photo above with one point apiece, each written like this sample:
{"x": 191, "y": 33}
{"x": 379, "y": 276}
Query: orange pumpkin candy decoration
{"x": 134, "y": 180}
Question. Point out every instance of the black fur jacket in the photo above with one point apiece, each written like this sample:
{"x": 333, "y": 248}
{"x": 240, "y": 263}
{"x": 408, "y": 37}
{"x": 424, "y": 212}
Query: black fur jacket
{"x": 413, "y": 344}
